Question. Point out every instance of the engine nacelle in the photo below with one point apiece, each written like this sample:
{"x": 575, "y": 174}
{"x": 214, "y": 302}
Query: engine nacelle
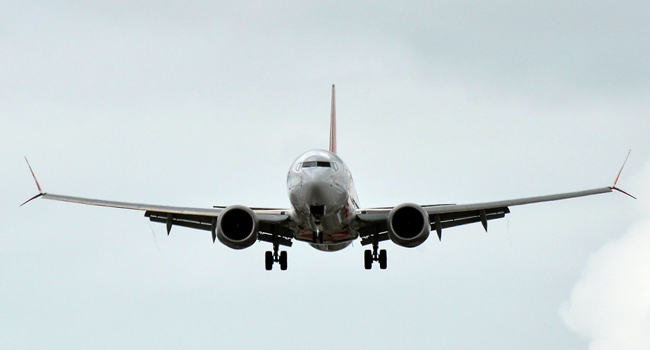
{"x": 237, "y": 227}
{"x": 408, "y": 225}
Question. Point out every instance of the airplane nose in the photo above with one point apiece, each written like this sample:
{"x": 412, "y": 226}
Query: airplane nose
{"x": 315, "y": 192}
{"x": 317, "y": 189}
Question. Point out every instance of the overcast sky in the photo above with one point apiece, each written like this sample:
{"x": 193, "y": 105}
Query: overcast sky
{"x": 201, "y": 103}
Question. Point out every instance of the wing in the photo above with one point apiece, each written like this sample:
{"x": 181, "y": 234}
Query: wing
{"x": 272, "y": 221}
{"x": 373, "y": 221}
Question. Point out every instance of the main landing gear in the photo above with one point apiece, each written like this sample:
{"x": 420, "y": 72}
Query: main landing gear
{"x": 370, "y": 256}
{"x": 273, "y": 257}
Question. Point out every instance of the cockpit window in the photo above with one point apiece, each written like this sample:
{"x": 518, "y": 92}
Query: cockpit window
{"x": 316, "y": 163}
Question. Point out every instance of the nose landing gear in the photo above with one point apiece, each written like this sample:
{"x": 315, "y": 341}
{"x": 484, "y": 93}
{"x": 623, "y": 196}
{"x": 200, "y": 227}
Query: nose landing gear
{"x": 317, "y": 237}
{"x": 317, "y": 212}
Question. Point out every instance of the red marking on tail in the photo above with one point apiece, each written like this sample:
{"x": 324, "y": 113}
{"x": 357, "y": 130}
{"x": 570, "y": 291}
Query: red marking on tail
{"x": 333, "y": 123}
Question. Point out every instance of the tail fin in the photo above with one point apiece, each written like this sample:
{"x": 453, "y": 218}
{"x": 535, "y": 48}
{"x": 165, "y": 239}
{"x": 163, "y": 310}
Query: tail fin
{"x": 333, "y": 123}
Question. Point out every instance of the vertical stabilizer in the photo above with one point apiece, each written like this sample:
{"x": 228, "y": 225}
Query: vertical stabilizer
{"x": 333, "y": 123}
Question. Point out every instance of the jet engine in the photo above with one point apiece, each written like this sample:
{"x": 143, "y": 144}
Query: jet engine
{"x": 237, "y": 227}
{"x": 408, "y": 225}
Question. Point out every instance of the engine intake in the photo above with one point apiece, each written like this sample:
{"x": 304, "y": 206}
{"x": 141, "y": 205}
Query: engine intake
{"x": 408, "y": 225}
{"x": 237, "y": 227}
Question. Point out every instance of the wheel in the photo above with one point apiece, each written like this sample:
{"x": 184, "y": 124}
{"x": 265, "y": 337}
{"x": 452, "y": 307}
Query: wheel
{"x": 268, "y": 260}
{"x": 283, "y": 260}
{"x": 367, "y": 259}
{"x": 383, "y": 259}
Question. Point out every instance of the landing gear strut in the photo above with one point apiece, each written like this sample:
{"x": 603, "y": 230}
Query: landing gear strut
{"x": 317, "y": 237}
{"x": 273, "y": 257}
{"x": 371, "y": 256}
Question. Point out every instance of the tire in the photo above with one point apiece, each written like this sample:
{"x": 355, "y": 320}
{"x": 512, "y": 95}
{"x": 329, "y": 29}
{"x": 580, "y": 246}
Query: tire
{"x": 367, "y": 259}
{"x": 268, "y": 260}
{"x": 383, "y": 259}
{"x": 283, "y": 260}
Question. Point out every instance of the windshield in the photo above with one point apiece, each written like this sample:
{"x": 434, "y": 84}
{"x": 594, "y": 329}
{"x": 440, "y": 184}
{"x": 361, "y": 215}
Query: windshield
{"x": 314, "y": 163}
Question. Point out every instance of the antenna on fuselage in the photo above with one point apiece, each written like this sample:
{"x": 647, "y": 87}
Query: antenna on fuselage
{"x": 333, "y": 123}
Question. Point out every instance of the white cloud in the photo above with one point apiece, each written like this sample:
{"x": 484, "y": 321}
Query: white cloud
{"x": 610, "y": 303}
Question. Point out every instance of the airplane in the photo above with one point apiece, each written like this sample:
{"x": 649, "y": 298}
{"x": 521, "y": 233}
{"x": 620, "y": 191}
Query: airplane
{"x": 325, "y": 212}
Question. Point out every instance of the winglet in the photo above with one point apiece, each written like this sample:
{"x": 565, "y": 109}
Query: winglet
{"x": 613, "y": 187}
{"x": 40, "y": 191}
{"x": 333, "y": 123}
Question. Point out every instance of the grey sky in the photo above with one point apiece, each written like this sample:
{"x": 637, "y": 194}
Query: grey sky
{"x": 207, "y": 103}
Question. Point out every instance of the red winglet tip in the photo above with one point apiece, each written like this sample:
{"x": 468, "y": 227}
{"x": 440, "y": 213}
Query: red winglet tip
{"x": 29, "y": 200}
{"x": 34, "y": 176}
{"x": 622, "y": 166}
{"x": 620, "y": 190}
{"x": 613, "y": 187}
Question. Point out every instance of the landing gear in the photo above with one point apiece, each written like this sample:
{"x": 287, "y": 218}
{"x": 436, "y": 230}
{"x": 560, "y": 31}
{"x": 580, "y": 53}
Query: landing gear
{"x": 317, "y": 237}
{"x": 268, "y": 260}
{"x": 283, "y": 260}
{"x": 272, "y": 257}
{"x": 367, "y": 259}
{"x": 383, "y": 262}
{"x": 369, "y": 256}
{"x": 317, "y": 212}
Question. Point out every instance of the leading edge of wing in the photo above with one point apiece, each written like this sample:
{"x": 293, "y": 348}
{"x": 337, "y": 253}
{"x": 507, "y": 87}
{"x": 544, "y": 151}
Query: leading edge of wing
{"x": 135, "y": 206}
{"x": 372, "y": 214}
{"x": 263, "y": 214}
{"x": 514, "y": 202}
{"x": 267, "y": 215}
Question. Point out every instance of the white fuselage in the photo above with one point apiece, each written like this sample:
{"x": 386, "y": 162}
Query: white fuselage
{"x": 323, "y": 200}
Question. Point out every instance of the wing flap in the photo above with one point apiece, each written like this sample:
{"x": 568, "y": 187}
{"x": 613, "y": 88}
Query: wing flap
{"x": 448, "y": 220}
{"x": 192, "y": 221}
